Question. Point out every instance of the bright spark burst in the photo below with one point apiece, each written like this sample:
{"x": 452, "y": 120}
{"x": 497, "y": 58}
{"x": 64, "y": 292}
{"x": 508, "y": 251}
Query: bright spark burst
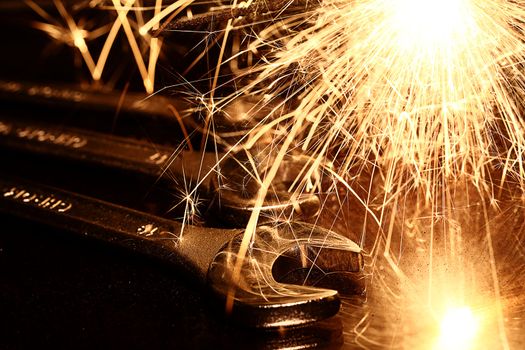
{"x": 429, "y": 91}
{"x": 427, "y": 94}
{"x": 430, "y": 23}
{"x": 76, "y": 36}
{"x": 461, "y": 254}
{"x": 458, "y": 329}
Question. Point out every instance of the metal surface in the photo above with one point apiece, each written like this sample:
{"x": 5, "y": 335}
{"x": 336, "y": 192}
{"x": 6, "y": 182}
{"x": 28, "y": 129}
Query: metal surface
{"x": 223, "y": 179}
{"x": 165, "y": 110}
{"x": 109, "y": 101}
{"x": 206, "y": 254}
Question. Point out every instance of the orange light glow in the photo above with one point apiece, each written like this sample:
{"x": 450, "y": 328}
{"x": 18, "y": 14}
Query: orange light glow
{"x": 459, "y": 327}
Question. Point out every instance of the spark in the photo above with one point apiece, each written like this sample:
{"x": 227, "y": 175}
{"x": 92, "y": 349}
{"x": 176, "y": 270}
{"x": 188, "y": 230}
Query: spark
{"x": 458, "y": 329}
{"x": 77, "y": 36}
{"x": 172, "y": 10}
{"x": 429, "y": 22}
{"x": 451, "y": 276}
{"x": 426, "y": 90}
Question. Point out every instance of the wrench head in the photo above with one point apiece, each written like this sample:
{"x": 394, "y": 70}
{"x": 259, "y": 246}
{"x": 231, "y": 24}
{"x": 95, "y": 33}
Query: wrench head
{"x": 262, "y": 302}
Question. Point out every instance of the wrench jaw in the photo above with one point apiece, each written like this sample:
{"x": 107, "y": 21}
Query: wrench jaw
{"x": 262, "y": 302}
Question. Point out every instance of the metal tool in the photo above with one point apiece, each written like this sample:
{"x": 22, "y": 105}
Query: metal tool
{"x": 164, "y": 110}
{"x": 72, "y": 96}
{"x": 207, "y": 254}
{"x": 224, "y": 179}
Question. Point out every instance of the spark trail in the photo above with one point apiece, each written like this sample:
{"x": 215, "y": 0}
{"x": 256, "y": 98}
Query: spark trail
{"x": 426, "y": 90}
{"x": 78, "y": 37}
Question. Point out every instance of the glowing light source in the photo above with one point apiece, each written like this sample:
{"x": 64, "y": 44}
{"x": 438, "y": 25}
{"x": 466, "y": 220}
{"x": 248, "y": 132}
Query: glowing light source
{"x": 431, "y": 22}
{"x": 459, "y": 327}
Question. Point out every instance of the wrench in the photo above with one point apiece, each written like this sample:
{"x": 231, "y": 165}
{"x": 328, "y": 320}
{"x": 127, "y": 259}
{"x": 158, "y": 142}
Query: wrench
{"x": 260, "y": 301}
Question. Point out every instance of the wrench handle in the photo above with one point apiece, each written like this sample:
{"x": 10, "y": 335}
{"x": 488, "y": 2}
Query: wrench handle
{"x": 115, "y": 152}
{"x": 192, "y": 248}
{"x": 73, "y": 97}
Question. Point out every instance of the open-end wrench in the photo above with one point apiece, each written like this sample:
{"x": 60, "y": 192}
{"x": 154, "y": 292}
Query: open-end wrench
{"x": 207, "y": 254}
{"x": 224, "y": 179}
{"x": 74, "y": 97}
{"x": 162, "y": 109}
